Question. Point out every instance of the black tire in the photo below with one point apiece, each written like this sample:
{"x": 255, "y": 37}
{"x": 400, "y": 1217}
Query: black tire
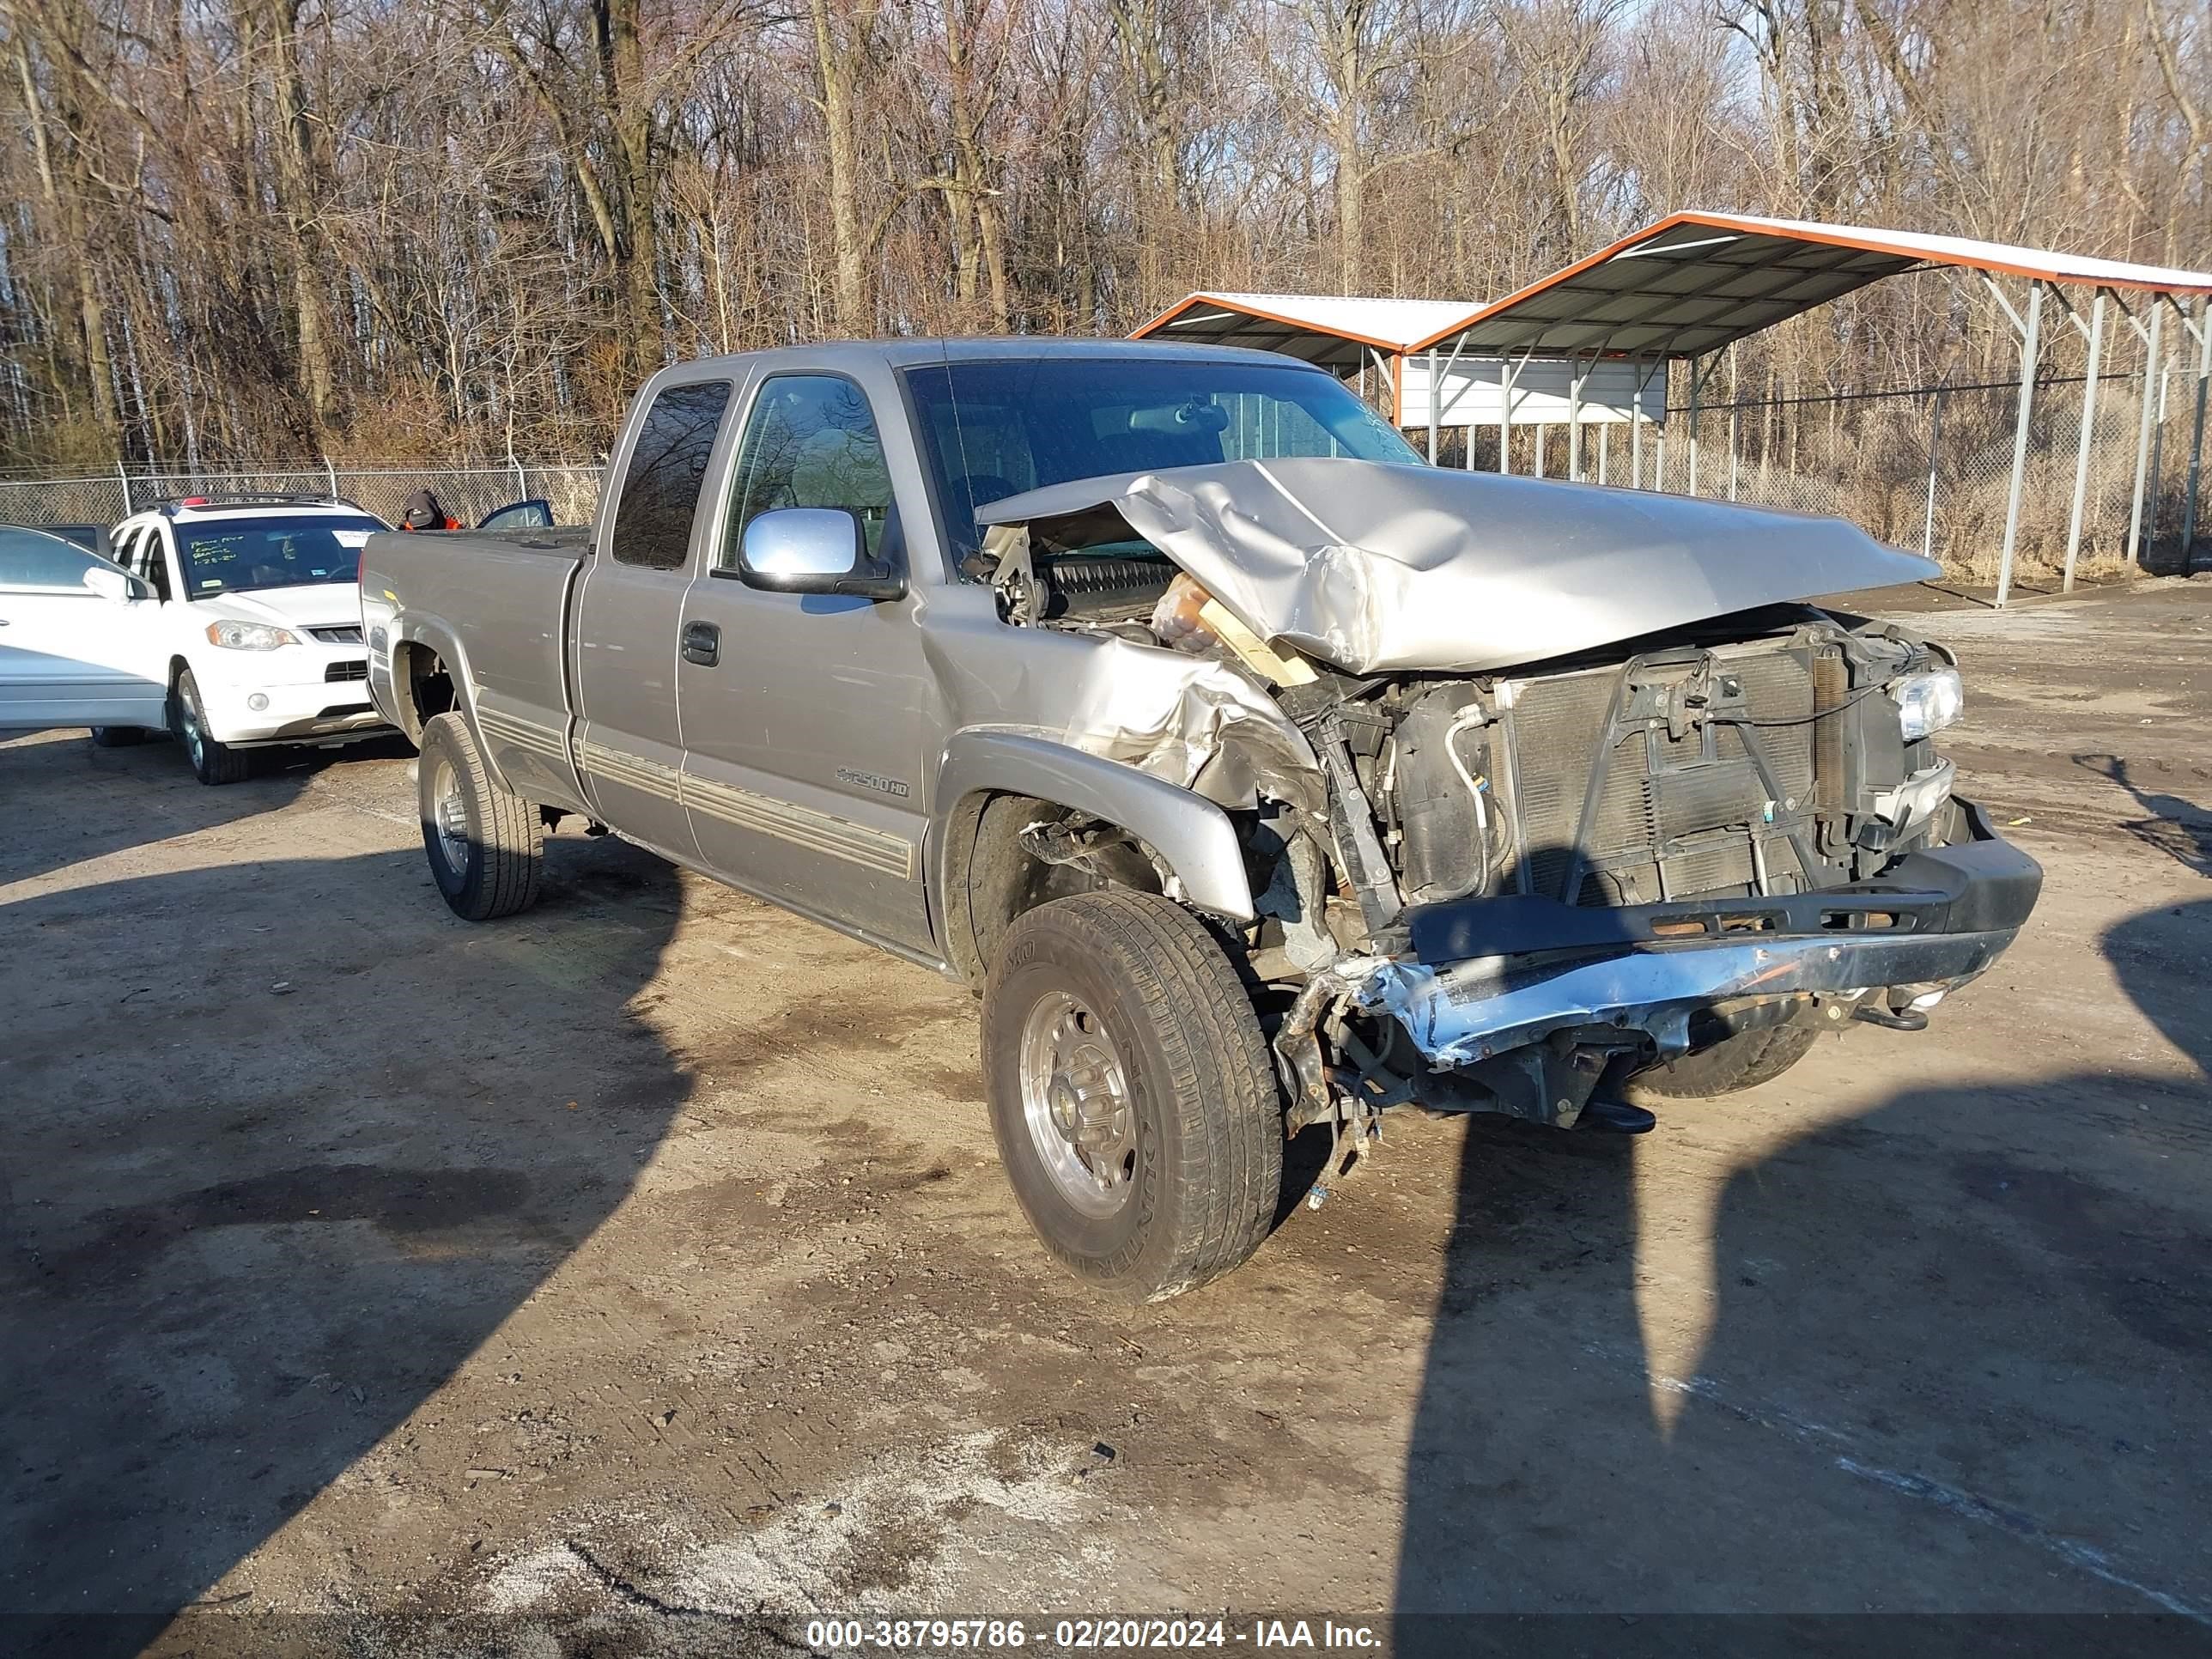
{"x": 1204, "y": 1166}
{"x": 486, "y": 846}
{"x": 118, "y": 736}
{"x": 1733, "y": 1063}
{"x": 213, "y": 762}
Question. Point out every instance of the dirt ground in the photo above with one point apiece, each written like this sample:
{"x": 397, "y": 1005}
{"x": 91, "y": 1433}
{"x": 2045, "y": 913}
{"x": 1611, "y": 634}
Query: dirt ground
{"x": 636, "y": 1275}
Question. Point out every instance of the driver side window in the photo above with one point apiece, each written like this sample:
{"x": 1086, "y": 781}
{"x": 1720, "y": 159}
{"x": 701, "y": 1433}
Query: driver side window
{"x": 811, "y": 442}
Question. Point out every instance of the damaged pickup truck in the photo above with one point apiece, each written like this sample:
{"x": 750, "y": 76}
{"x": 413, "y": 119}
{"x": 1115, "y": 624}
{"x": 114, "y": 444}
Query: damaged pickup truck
{"x": 1260, "y": 776}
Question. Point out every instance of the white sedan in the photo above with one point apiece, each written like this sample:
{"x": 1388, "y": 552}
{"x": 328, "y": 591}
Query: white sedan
{"x": 235, "y": 625}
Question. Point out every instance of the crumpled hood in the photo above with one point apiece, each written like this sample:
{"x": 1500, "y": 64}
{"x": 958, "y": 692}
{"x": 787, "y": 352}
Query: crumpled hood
{"x": 1376, "y": 568}
{"x": 310, "y": 605}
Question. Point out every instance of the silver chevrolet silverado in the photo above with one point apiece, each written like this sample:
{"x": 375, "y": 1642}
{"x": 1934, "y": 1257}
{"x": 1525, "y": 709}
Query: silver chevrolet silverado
{"x": 1259, "y": 775}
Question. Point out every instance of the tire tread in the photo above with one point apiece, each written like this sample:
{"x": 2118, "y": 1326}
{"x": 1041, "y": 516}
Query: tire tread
{"x": 1221, "y": 1082}
{"x": 510, "y": 834}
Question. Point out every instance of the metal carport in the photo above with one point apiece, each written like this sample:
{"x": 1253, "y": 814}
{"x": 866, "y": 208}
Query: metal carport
{"x": 1680, "y": 290}
{"x": 1344, "y": 334}
{"x": 1694, "y": 283}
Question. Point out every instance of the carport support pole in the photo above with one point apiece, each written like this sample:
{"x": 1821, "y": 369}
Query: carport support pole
{"x": 1604, "y": 444}
{"x": 1574, "y": 424}
{"x": 2157, "y": 444}
{"x": 1435, "y": 392}
{"x": 1697, "y": 386}
{"x": 2143, "y": 430}
{"x": 2203, "y": 332}
{"x": 1734, "y": 403}
{"x": 2030, "y": 341}
{"x": 1507, "y": 371}
{"x": 2088, "y": 430}
{"x": 1935, "y": 441}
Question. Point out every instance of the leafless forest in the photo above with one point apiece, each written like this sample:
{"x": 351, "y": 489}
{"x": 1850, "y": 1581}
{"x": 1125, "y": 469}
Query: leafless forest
{"x": 450, "y": 227}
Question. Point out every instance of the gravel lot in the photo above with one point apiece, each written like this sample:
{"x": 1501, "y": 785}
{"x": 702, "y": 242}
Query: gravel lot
{"x": 609, "y": 1279}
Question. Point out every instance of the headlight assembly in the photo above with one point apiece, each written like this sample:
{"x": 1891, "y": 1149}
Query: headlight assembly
{"x": 1926, "y": 704}
{"x": 249, "y": 636}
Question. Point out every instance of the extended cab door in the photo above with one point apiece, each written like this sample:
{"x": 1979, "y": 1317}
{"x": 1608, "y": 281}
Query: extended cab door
{"x": 627, "y": 616}
{"x": 807, "y": 718}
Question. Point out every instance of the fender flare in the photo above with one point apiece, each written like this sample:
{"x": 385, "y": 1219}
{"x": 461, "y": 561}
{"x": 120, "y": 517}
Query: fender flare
{"x": 1193, "y": 836}
{"x": 446, "y": 644}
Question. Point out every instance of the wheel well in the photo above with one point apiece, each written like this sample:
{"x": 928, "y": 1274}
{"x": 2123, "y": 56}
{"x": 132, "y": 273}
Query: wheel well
{"x": 991, "y": 877}
{"x": 422, "y": 686}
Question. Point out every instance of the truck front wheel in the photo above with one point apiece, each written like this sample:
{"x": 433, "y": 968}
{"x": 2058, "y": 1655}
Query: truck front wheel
{"x": 1131, "y": 1094}
{"x": 486, "y": 846}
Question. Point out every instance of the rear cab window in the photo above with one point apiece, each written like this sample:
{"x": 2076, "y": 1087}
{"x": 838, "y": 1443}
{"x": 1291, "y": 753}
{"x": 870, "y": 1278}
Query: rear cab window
{"x": 667, "y": 469}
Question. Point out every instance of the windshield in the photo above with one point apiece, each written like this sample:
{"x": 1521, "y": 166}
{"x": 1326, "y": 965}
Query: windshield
{"x": 994, "y": 430}
{"x": 242, "y": 554}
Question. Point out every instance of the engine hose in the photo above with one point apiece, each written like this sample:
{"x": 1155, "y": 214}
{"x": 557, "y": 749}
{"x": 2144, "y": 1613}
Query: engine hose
{"x": 1467, "y": 719}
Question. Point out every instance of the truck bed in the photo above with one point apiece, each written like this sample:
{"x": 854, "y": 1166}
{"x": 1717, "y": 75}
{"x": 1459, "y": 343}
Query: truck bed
{"x": 493, "y": 605}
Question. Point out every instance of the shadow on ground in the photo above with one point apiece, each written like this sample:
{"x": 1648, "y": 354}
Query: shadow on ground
{"x": 269, "y": 1182}
{"x": 1967, "y": 1335}
{"x": 66, "y": 800}
{"x": 2173, "y": 825}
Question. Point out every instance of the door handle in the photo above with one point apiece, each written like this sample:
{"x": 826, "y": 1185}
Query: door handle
{"x": 702, "y": 643}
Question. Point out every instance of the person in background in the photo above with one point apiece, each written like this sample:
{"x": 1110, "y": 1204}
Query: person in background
{"x": 425, "y": 512}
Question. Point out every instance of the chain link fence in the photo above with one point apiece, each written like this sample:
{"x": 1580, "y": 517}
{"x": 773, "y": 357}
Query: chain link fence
{"x": 1925, "y": 468}
{"x": 468, "y": 493}
{"x": 1931, "y": 470}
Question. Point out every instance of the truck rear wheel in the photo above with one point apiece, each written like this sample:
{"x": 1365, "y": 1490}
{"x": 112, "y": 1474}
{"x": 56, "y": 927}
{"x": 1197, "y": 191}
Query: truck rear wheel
{"x": 1131, "y": 1094}
{"x": 486, "y": 846}
{"x": 1733, "y": 1063}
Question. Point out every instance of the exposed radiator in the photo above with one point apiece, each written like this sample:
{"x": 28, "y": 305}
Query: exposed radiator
{"x": 1673, "y": 818}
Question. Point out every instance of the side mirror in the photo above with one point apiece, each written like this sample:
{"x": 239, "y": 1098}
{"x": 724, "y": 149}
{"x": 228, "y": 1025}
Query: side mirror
{"x": 813, "y": 549}
{"x": 110, "y": 583}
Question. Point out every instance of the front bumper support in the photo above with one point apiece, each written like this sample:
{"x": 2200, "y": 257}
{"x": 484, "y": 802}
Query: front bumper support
{"x": 1980, "y": 883}
{"x": 1489, "y": 976}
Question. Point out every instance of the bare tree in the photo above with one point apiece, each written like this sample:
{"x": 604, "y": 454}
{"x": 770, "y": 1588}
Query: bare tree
{"x": 252, "y": 226}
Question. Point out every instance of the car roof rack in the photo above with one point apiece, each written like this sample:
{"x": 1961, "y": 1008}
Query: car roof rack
{"x": 257, "y": 498}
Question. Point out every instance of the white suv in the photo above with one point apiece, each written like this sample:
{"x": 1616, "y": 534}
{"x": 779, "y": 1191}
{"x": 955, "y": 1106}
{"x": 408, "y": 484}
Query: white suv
{"x": 250, "y": 607}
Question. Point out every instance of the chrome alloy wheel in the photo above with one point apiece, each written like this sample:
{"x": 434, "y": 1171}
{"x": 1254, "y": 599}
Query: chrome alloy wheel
{"x": 188, "y": 716}
{"x": 1076, "y": 1100}
{"x": 449, "y": 813}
